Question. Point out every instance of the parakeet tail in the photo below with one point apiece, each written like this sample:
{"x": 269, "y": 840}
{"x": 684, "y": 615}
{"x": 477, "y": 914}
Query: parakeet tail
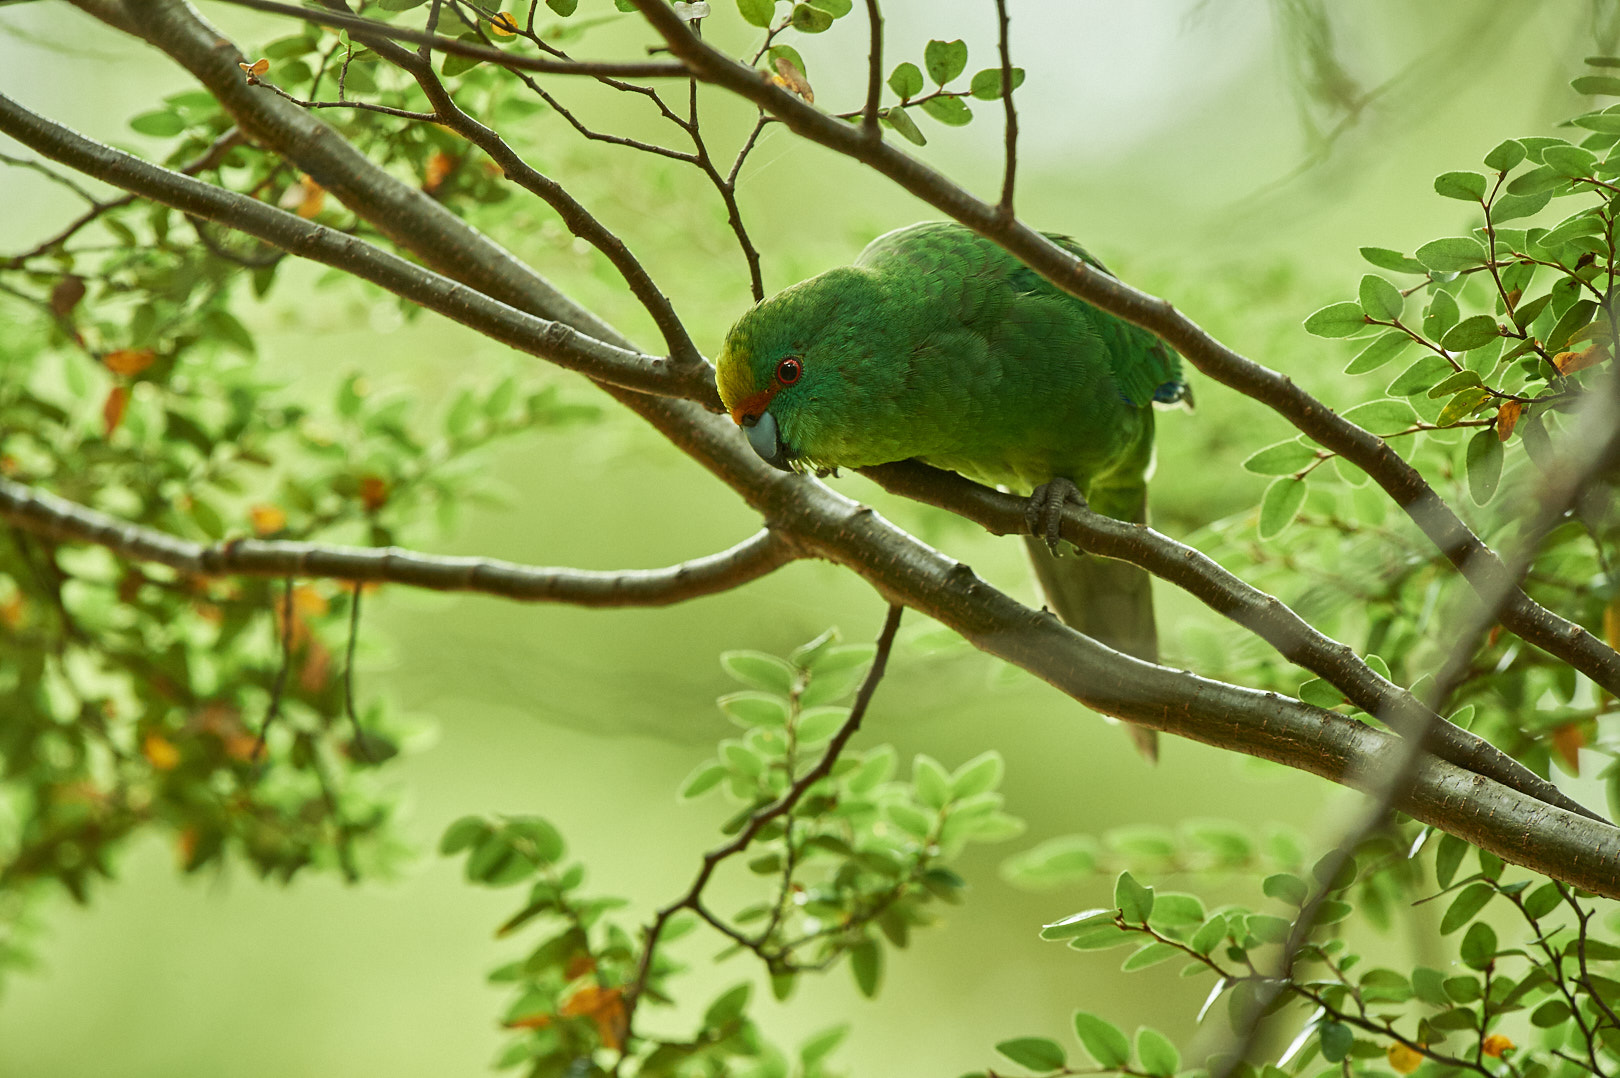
{"x": 1109, "y": 601}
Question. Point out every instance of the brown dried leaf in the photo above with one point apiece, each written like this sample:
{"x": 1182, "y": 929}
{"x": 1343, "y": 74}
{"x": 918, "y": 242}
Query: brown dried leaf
{"x": 256, "y": 68}
{"x": 129, "y": 361}
{"x": 789, "y": 77}
{"x": 1569, "y": 739}
{"x": 112, "y": 409}
{"x": 66, "y": 295}
{"x": 1570, "y": 362}
{"x": 1507, "y": 417}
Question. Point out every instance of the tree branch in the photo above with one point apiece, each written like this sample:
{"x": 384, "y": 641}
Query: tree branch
{"x": 1521, "y": 615}
{"x": 1005, "y": 206}
{"x": 40, "y": 513}
{"x": 450, "y": 46}
{"x": 554, "y": 341}
{"x": 1262, "y": 614}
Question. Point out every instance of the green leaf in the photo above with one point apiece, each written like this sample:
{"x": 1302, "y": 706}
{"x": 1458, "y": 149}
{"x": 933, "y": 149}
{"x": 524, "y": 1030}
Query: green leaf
{"x": 836, "y": 8}
{"x": 1336, "y": 1040}
{"x": 821, "y": 1045}
{"x": 898, "y": 119}
{"x": 455, "y": 65}
{"x": 1471, "y": 332}
{"x": 1420, "y": 377}
{"x": 1463, "y": 405}
{"x": 1384, "y": 348}
{"x": 1284, "y": 458}
{"x": 1452, "y": 254}
{"x": 1380, "y": 299}
{"x": 565, "y": 8}
{"x": 1134, "y": 901}
{"x": 1448, "y": 856}
{"x": 464, "y": 834}
{"x": 728, "y": 1007}
{"x": 1036, "y": 1053}
{"x": 160, "y": 123}
{"x": 1542, "y": 901}
{"x": 986, "y": 84}
{"x": 1102, "y": 1040}
{"x": 979, "y": 775}
{"x": 866, "y": 963}
{"x": 1511, "y": 207}
{"x": 906, "y": 80}
{"x": 759, "y": 12}
{"x": 1076, "y": 923}
{"x": 1280, "y": 505}
{"x": 1384, "y": 258}
{"x": 1457, "y": 380}
{"x": 818, "y": 724}
{"x": 1577, "y": 317}
{"x": 951, "y": 111}
{"x": 1484, "y": 460}
{"x": 932, "y": 781}
{"x": 1571, "y": 161}
{"x": 1320, "y": 692}
{"x": 1506, "y": 155}
{"x": 1467, "y": 186}
{"x": 945, "y": 60}
{"x": 755, "y": 709}
{"x": 1286, "y": 887}
{"x": 1479, "y": 945}
{"x": 1606, "y": 85}
{"x": 1440, "y": 315}
{"x": 1469, "y": 901}
{"x": 810, "y": 20}
{"x": 1159, "y": 1057}
{"x": 705, "y": 777}
{"x": 1150, "y": 955}
{"x": 1554, "y": 1012}
{"x": 760, "y": 670}
{"x": 1337, "y": 320}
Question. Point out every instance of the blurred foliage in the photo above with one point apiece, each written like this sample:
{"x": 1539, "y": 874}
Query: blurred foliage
{"x": 222, "y": 713}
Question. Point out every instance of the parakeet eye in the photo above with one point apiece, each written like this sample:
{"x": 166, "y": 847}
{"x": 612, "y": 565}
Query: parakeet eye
{"x": 788, "y": 371}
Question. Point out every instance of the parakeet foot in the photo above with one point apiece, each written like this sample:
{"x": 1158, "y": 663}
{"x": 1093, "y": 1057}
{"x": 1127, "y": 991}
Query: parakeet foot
{"x": 1044, "y": 513}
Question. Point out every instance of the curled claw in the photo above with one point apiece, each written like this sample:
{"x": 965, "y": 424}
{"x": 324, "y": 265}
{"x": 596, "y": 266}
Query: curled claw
{"x": 1043, "y": 515}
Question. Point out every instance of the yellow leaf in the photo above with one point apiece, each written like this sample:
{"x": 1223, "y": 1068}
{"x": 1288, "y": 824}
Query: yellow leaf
{"x": 503, "y": 25}
{"x": 160, "y": 752}
{"x": 267, "y": 519}
{"x": 1404, "y": 1060}
{"x": 1570, "y": 362}
{"x": 791, "y": 78}
{"x": 1495, "y": 1045}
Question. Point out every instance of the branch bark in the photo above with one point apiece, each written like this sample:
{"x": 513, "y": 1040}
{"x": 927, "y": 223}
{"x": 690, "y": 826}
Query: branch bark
{"x": 44, "y": 514}
{"x": 1520, "y": 615}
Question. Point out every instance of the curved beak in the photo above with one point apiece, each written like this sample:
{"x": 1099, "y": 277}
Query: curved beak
{"x": 767, "y": 442}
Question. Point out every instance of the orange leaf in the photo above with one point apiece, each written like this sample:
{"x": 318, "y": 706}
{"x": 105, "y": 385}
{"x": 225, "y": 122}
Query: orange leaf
{"x": 1507, "y": 417}
{"x": 307, "y": 602}
{"x": 532, "y": 1021}
{"x": 439, "y": 167}
{"x": 267, "y": 519}
{"x": 304, "y": 197}
{"x": 1495, "y": 1045}
{"x": 503, "y": 25}
{"x": 1568, "y": 739}
{"x": 129, "y": 361}
{"x": 317, "y": 668}
{"x": 579, "y": 966}
{"x": 373, "y": 492}
{"x": 112, "y": 409}
{"x": 1570, "y": 362}
{"x": 790, "y": 77}
{"x": 604, "y": 1006}
{"x": 160, "y": 752}
{"x": 256, "y": 68}
{"x": 1404, "y": 1060}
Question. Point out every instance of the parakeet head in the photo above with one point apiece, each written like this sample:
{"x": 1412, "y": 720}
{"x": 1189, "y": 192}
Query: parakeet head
{"x": 785, "y": 372}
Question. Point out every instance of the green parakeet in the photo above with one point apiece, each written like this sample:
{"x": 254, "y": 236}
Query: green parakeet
{"x": 939, "y": 345}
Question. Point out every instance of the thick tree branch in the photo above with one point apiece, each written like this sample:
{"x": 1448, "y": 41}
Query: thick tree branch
{"x": 40, "y": 513}
{"x": 450, "y": 46}
{"x": 1263, "y": 614}
{"x": 550, "y": 340}
{"x": 1521, "y": 615}
{"x": 825, "y": 524}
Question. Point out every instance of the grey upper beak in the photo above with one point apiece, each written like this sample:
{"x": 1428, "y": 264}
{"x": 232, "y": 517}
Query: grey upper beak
{"x": 762, "y": 435}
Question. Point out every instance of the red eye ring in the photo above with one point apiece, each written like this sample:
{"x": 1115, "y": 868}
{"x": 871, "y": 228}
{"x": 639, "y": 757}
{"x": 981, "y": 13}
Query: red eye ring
{"x": 789, "y": 370}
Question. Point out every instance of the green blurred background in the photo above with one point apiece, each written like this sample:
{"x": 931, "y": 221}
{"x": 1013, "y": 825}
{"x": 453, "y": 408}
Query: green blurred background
{"x": 1214, "y": 153}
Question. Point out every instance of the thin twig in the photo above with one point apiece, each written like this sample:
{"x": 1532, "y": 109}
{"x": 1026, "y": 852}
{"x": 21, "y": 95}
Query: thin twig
{"x": 1005, "y": 206}
{"x": 279, "y": 687}
{"x": 874, "y": 72}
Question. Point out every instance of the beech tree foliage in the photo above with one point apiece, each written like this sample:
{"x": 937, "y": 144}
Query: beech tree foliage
{"x": 189, "y": 546}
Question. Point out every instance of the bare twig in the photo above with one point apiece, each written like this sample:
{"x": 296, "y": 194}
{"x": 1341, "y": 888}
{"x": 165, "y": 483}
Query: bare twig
{"x": 40, "y": 513}
{"x": 874, "y": 72}
{"x": 1005, "y": 206}
{"x": 455, "y": 47}
{"x": 279, "y": 687}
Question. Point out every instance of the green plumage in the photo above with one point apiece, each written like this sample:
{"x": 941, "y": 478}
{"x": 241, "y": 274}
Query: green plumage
{"x": 937, "y": 344}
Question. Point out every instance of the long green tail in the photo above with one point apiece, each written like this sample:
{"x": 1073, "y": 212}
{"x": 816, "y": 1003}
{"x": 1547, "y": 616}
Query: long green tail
{"x": 1109, "y": 601}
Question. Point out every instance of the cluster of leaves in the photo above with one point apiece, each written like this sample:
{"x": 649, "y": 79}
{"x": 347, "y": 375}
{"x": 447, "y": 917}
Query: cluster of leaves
{"x": 137, "y": 697}
{"x": 857, "y": 859}
{"x": 1504, "y": 332}
{"x": 1536, "y": 1004}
